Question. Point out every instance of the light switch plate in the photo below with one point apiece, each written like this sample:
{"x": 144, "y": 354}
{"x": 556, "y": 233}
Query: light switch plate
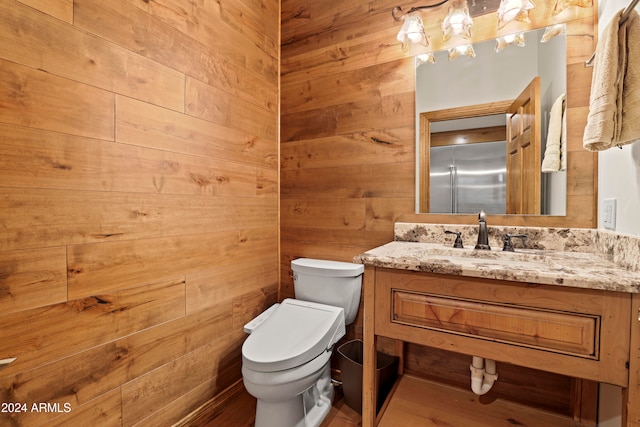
{"x": 609, "y": 214}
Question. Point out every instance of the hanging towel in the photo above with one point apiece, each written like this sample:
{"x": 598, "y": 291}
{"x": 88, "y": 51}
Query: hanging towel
{"x": 614, "y": 109}
{"x": 599, "y": 131}
{"x": 556, "y": 148}
{"x": 629, "y": 95}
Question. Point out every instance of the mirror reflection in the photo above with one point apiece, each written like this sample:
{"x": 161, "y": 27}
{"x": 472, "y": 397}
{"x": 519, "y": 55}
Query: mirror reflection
{"x": 483, "y": 124}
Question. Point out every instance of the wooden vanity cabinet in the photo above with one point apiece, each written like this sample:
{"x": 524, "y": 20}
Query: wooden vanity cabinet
{"x": 583, "y": 333}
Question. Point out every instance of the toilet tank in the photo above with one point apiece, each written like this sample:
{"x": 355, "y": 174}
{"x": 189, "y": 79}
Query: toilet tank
{"x": 329, "y": 282}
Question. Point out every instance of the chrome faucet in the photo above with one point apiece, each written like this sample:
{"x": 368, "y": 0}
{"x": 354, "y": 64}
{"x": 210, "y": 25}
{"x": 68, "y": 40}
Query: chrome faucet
{"x": 483, "y": 234}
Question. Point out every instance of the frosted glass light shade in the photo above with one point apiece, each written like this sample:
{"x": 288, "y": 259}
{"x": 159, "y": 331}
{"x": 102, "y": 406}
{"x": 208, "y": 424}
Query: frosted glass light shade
{"x": 464, "y": 50}
{"x": 425, "y": 58}
{"x": 412, "y": 31}
{"x": 457, "y": 22}
{"x": 514, "y": 10}
{"x": 560, "y": 5}
{"x": 512, "y": 39}
{"x": 551, "y": 32}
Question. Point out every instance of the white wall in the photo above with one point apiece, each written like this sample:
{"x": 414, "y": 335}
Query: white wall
{"x": 619, "y": 178}
{"x": 619, "y": 169}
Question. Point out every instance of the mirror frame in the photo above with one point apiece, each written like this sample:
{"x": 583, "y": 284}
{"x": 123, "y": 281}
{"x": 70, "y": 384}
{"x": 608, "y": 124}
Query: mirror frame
{"x": 582, "y": 165}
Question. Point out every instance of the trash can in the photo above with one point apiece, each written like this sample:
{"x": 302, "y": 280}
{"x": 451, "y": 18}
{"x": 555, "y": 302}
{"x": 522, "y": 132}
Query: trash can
{"x": 350, "y": 363}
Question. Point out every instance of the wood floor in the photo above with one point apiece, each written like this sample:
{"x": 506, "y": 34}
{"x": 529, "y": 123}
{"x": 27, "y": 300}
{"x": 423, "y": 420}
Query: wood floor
{"x": 450, "y": 407}
{"x": 239, "y": 407}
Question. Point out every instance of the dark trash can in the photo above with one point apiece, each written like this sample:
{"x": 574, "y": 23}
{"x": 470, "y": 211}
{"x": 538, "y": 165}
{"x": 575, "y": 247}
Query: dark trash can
{"x": 350, "y": 362}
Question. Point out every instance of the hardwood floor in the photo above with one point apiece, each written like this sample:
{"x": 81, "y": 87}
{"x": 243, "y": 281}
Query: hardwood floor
{"x": 449, "y": 406}
{"x": 238, "y": 409}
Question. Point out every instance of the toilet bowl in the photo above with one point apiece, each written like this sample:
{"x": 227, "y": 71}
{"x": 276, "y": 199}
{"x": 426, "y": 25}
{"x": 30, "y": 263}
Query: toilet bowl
{"x": 286, "y": 358}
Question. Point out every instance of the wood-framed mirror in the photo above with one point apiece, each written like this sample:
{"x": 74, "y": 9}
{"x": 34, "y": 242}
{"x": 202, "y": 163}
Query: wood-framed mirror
{"x": 581, "y": 197}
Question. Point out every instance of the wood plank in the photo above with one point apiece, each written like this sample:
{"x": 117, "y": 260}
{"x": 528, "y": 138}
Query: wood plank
{"x": 98, "y": 268}
{"x": 233, "y": 64}
{"x": 335, "y": 89}
{"x": 47, "y": 44}
{"x": 419, "y": 402}
{"x": 149, "y": 126}
{"x": 95, "y": 320}
{"x": 346, "y": 41}
{"x": 149, "y": 393}
{"x": 59, "y": 217}
{"x": 358, "y": 181}
{"x": 235, "y": 406}
{"x": 318, "y": 123}
{"x": 365, "y": 239}
{"x": 209, "y": 103}
{"x": 61, "y": 9}
{"x": 226, "y": 282}
{"x": 324, "y": 213}
{"x": 33, "y": 158}
{"x": 84, "y": 376}
{"x": 344, "y": 150}
{"x": 355, "y": 117}
{"x": 395, "y": 110}
{"x": 32, "y": 278}
{"x": 249, "y": 305}
{"x": 40, "y": 100}
{"x": 233, "y": 22}
{"x": 104, "y": 410}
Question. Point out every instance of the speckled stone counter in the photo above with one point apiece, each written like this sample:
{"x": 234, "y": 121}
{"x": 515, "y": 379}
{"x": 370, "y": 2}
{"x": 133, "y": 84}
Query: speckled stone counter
{"x": 583, "y": 258}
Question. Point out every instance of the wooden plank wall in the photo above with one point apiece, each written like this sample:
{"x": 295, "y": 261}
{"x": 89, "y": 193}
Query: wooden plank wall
{"x": 138, "y": 203}
{"x": 348, "y": 135}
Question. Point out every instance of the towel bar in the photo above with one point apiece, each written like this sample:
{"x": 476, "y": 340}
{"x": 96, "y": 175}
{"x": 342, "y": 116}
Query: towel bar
{"x": 623, "y": 17}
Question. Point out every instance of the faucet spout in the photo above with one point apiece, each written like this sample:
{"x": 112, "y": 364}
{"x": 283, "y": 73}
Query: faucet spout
{"x": 483, "y": 234}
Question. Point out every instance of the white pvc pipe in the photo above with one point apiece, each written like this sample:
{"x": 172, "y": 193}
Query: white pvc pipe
{"x": 483, "y": 375}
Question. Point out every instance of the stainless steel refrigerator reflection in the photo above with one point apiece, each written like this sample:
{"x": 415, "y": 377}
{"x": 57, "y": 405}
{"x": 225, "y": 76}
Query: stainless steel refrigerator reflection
{"x": 467, "y": 178}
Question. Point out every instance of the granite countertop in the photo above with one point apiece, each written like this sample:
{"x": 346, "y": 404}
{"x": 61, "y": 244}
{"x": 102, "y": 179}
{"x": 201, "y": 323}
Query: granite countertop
{"x": 591, "y": 264}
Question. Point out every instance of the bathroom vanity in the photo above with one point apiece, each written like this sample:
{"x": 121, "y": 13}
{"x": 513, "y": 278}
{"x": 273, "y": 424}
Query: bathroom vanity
{"x": 570, "y": 305}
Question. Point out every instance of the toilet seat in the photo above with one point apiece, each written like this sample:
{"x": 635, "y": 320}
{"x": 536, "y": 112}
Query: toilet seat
{"x": 297, "y": 332}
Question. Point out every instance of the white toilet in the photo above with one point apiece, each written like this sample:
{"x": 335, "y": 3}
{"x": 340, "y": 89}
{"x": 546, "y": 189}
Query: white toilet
{"x": 286, "y": 358}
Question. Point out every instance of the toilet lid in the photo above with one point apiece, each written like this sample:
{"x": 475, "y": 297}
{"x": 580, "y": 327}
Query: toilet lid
{"x": 295, "y": 333}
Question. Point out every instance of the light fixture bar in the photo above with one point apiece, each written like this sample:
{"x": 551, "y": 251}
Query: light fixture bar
{"x": 398, "y": 9}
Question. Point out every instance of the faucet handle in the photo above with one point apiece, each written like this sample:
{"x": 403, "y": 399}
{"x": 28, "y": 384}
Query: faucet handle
{"x": 482, "y": 216}
{"x": 458, "y": 242}
{"x": 508, "y": 246}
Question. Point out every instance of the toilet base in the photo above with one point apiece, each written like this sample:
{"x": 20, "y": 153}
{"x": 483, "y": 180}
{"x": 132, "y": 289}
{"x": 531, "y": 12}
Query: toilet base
{"x": 281, "y": 413}
{"x": 307, "y": 409}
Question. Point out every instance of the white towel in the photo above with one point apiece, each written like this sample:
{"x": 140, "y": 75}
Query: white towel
{"x": 555, "y": 153}
{"x": 614, "y": 109}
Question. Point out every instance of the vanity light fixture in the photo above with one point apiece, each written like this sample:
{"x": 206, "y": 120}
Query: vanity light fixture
{"x": 457, "y": 22}
{"x": 425, "y": 58}
{"x": 514, "y": 10}
{"x": 412, "y": 30}
{"x": 552, "y": 31}
{"x": 560, "y": 5}
{"x": 511, "y": 39}
{"x": 463, "y": 50}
